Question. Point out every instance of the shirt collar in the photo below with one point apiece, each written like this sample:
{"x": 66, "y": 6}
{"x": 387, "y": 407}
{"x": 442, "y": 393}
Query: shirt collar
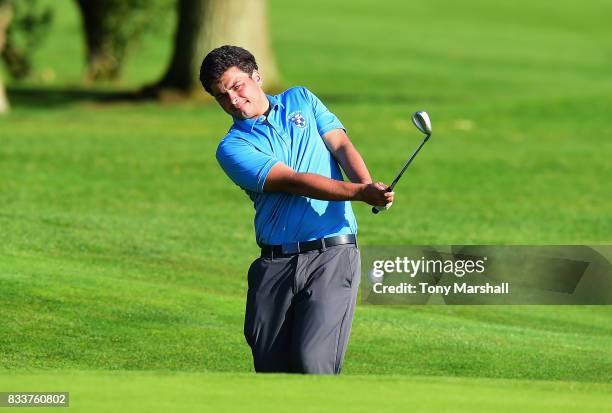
{"x": 249, "y": 124}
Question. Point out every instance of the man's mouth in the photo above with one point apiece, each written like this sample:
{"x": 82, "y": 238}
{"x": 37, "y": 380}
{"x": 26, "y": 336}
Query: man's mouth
{"x": 240, "y": 105}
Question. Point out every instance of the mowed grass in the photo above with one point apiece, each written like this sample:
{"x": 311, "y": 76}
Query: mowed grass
{"x": 142, "y": 392}
{"x": 123, "y": 246}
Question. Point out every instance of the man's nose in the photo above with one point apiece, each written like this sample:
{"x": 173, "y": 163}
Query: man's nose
{"x": 233, "y": 96}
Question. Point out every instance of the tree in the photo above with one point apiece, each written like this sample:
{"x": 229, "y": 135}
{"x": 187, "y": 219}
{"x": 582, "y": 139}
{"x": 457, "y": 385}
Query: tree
{"x": 111, "y": 27}
{"x": 5, "y": 19}
{"x": 206, "y": 24}
{"x": 30, "y": 24}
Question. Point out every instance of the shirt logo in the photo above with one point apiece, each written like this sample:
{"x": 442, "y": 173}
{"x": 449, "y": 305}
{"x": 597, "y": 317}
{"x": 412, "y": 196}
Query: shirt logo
{"x": 297, "y": 119}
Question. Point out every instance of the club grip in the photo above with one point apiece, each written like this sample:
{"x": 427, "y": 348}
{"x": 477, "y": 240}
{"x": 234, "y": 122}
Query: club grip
{"x": 377, "y": 209}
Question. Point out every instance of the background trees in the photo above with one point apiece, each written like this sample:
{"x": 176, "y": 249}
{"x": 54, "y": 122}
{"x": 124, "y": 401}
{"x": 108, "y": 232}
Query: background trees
{"x": 205, "y": 24}
{"x": 5, "y": 18}
{"x": 29, "y": 25}
{"x": 112, "y": 28}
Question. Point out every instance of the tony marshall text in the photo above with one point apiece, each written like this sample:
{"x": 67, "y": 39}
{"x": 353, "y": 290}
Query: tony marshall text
{"x": 426, "y": 288}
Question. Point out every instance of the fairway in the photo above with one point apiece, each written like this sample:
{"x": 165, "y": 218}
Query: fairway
{"x": 141, "y": 392}
{"x": 124, "y": 247}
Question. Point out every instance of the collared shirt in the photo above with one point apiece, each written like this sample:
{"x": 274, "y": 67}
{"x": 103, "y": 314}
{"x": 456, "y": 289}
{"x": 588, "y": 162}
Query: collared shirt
{"x": 292, "y": 134}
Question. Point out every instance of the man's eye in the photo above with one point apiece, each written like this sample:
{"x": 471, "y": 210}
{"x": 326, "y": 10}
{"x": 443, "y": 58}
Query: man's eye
{"x": 238, "y": 86}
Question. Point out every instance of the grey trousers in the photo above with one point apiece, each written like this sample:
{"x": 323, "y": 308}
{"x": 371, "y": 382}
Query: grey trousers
{"x": 300, "y": 309}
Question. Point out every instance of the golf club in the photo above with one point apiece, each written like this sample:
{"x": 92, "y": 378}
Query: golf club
{"x": 422, "y": 122}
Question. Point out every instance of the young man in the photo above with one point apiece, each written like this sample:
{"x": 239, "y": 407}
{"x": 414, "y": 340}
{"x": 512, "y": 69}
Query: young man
{"x": 285, "y": 152}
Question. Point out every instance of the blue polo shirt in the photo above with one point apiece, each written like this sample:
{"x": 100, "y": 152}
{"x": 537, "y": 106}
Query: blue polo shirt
{"x": 291, "y": 134}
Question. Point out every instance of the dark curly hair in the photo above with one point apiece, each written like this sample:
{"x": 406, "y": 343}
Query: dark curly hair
{"x": 222, "y": 58}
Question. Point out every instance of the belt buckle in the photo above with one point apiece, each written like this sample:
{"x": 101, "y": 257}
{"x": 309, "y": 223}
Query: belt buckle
{"x": 291, "y": 248}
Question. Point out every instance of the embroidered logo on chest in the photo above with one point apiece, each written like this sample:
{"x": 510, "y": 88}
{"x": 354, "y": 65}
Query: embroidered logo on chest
{"x": 297, "y": 119}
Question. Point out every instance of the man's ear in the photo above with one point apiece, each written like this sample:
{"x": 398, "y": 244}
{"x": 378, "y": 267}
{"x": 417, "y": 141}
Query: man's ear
{"x": 257, "y": 77}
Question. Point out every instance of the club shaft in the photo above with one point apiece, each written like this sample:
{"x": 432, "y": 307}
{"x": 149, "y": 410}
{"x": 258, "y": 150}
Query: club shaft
{"x": 397, "y": 178}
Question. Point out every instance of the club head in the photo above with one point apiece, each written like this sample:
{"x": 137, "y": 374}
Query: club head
{"x": 422, "y": 122}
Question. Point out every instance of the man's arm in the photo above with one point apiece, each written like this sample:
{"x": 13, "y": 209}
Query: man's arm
{"x": 350, "y": 160}
{"x": 282, "y": 178}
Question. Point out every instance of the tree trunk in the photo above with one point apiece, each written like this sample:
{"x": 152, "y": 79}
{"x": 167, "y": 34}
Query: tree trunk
{"x": 5, "y": 19}
{"x": 206, "y": 24}
{"x": 101, "y": 60}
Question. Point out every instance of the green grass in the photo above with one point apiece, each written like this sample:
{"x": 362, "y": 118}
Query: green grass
{"x": 124, "y": 247}
{"x": 141, "y": 392}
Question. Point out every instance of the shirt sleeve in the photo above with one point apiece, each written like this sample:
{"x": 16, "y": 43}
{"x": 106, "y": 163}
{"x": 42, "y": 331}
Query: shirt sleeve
{"x": 246, "y": 166}
{"x": 326, "y": 120}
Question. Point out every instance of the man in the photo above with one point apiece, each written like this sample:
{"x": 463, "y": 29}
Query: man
{"x": 285, "y": 152}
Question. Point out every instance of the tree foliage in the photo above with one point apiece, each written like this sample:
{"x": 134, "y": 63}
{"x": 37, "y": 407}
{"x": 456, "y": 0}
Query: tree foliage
{"x": 112, "y": 28}
{"x": 29, "y": 27}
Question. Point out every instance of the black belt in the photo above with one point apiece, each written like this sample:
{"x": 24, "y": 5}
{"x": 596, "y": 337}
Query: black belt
{"x": 293, "y": 248}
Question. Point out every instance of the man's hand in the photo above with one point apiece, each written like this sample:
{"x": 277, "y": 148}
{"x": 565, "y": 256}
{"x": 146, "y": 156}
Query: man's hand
{"x": 376, "y": 195}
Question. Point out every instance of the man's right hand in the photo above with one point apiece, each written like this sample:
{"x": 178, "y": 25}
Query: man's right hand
{"x": 376, "y": 194}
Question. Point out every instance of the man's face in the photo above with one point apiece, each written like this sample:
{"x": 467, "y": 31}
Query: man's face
{"x": 240, "y": 94}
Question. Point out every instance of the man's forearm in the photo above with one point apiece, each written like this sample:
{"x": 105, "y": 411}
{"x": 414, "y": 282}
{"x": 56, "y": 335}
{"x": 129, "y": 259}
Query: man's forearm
{"x": 281, "y": 178}
{"x": 350, "y": 160}
{"x": 352, "y": 163}
{"x": 320, "y": 187}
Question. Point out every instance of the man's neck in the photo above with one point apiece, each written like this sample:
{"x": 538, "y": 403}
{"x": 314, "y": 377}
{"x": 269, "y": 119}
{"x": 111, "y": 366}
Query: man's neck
{"x": 266, "y": 112}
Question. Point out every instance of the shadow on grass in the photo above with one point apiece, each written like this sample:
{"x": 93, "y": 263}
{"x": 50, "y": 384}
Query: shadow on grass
{"x": 36, "y": 96}
{"x": 49, "y": 97}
